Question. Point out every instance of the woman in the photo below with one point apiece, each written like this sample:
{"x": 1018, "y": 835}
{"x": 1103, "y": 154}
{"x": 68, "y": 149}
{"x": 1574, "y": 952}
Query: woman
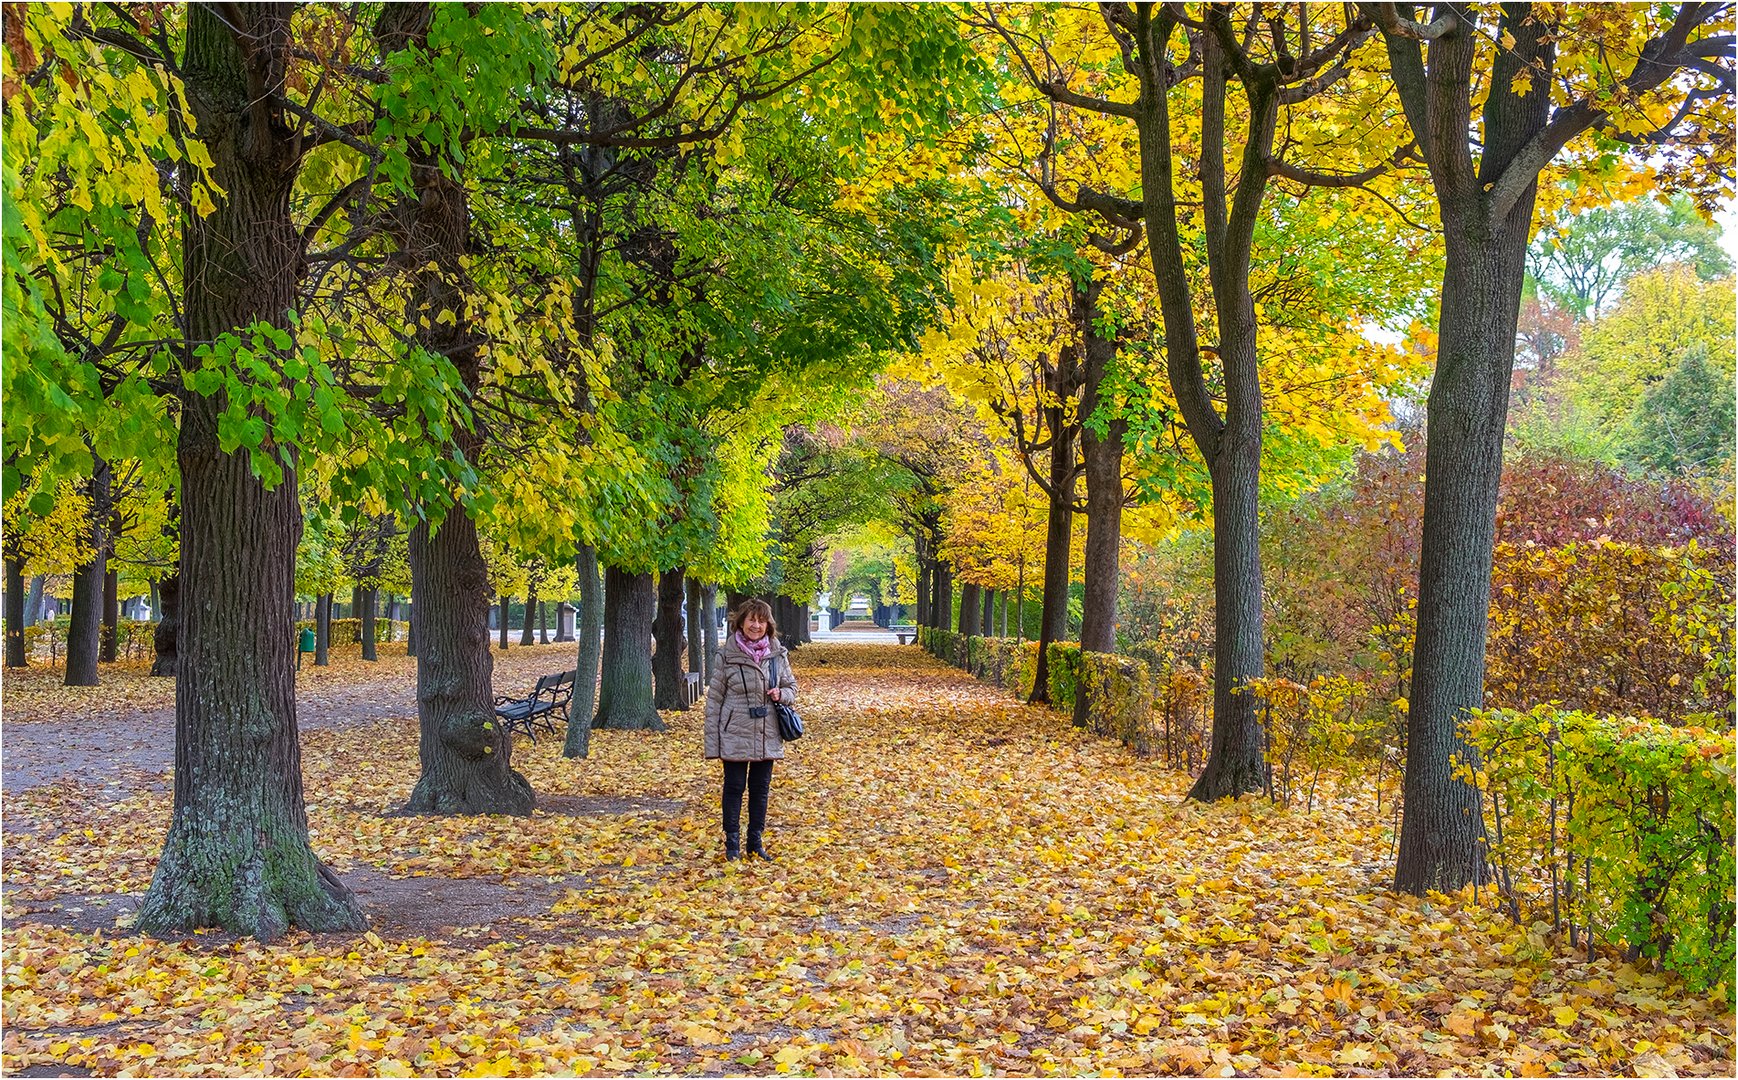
{"x": 752, "y": 671}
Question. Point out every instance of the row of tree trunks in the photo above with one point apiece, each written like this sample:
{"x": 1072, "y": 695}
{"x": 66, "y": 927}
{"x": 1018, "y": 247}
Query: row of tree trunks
{"x": 709, "y": 635}
{"x": 1059, "y": 526}
{"x": 696, "y": 648}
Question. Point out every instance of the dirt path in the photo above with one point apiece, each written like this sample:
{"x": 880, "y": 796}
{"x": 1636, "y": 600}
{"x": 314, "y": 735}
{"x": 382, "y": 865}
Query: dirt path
{"x": 106, "y": 735}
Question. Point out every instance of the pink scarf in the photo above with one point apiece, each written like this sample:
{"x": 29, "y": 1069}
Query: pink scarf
{"x": 760, "y": 650}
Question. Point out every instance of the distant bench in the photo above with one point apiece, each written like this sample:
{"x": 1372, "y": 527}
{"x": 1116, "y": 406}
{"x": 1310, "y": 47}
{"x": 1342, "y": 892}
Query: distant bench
{"x": 904, "y": 630}
{"x": 552, "y": 697}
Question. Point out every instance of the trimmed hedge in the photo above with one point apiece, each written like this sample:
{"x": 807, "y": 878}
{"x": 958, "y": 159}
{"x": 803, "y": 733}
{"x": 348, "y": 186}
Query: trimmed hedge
{"x": 1064, "y": 660}
{"x": 349, "y": 631}
{"x": 1119, "y": 702}
{"x": 1620, "y": 827}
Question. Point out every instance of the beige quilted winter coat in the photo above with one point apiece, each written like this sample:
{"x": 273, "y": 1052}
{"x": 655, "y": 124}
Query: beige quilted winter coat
{"x": 738, "y": 683}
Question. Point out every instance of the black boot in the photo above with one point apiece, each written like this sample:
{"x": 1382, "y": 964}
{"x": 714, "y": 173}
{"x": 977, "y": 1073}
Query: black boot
{"x": 733, "y": 846}
{"x": 755, "y": 847}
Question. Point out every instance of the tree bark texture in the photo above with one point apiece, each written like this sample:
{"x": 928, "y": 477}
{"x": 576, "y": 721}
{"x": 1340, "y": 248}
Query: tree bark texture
{"x": 667, "y": 631}
{"x": 168, "y": 629}
{"x": 237, "y": 855}
{"x": 15, "y": 606}
{"x": 84, "y": 635}
{"x": 370, "y": 601}
{"x": 33, "y": 601}
{"x": 709, "y": 622}
{"x": 323, "y": 630}
{"x": 590, "y": 617}
{"x": 941, "y": 602}
{"x": 528, "y": 631}
{"x": 465, "y": 753}
{"x": 693, "y": 632}
{"x": 111, "y": 606}
{"x": 1442, "y": 842}
{"x": 624, "y": 700}
{"x": 969, "y": 595}
{"x": 1058, "y": 534}
{"x": 1102, "y": 455}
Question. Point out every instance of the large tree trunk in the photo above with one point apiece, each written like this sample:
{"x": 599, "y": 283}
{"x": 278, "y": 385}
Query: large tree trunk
{"x": 465, "y": 753}
{"x": 237, "y": 854}
{"x": 924, "y": 571}
{"x": 323, "y": 630}
{"x": 693, "y": 633}
{"x": 941, "y": 600}
{"x": 1102, "y": 456}
{"x": 33, "y": 602}
{"x": 1236, "y": 763}
{"x": 709, "y": 620}
{"x": 528, "y": 630}
{"x": 1442, "y": 838}
{"x": 591, "y": 615}
{"x": 15, "y": 606}
{"x": 969, "y": 594}
{"x": 625, "y": 692}
{"x": 667, "y": 628}
{"x": 84, "y": 636}
{"x": 803, "y": 635}
{"x": 111, "y": 606}
{"x": 1058, "y": 533}
{"x": 370, "y": 601}
{"x": 168, "y": 629}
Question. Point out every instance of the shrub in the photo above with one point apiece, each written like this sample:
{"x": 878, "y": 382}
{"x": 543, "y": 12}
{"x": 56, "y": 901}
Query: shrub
{"x": 1311, "y": 728}
{"x": 349, "y": 631}
{"x": 1064, "y": 660}
{"x": 1604, "y": 626}
{"x": 1621, "y": 828}
{"x": 1119, "y": 700}
{"x": 1022, "y": 668}
{"x": 1183, "y": 699}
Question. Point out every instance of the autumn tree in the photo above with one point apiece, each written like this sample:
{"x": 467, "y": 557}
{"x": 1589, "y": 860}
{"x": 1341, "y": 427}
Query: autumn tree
{"x": 1494, "y": 95}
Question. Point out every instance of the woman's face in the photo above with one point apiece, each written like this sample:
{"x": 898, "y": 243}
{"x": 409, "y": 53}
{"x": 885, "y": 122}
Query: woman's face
{"x": 754, "y": 626}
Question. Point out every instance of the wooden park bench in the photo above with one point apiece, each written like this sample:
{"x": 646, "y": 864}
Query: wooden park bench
{"x": 905, "y": 631}
{"x": 552, "y": 697}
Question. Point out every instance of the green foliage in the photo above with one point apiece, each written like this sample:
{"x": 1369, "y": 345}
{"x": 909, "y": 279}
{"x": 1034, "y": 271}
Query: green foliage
{"x": 1064, "y": 669}
{"x": 1326, "y": 725}
{"x": 1623, "y": 827}
{"x": 1687, "y": 420}
{"x": 1119, "y": 701}
{"x": 1584, "y": 259}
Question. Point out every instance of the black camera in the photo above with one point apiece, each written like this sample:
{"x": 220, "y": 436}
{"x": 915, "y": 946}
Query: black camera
{"x": 757, "y": 712}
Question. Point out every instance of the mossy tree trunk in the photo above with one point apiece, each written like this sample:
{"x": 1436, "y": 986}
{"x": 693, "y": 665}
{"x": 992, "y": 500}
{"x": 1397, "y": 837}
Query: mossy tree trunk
{"x": 590, "y": 618}
{"x": 237, "y": 854}
{"x": 624, "y": 700}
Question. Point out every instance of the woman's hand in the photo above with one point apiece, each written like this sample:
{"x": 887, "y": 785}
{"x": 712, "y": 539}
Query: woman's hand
{"x": 772, "y": 694}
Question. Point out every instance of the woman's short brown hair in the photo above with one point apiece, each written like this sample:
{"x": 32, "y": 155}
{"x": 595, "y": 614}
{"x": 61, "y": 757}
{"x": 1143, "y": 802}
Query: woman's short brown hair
{"x": 752, "y": 605}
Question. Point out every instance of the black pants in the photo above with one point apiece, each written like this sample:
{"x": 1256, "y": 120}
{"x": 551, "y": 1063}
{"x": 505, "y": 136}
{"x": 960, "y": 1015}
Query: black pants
{"x": 756, "y": 776}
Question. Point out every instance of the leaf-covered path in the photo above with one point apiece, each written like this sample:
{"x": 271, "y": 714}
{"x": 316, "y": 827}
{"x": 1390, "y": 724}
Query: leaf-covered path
{"x": 964, "y": 885}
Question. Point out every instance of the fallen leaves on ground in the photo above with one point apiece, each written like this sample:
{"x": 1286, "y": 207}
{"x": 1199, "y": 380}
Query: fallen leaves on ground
{"x": 964, "y": 886}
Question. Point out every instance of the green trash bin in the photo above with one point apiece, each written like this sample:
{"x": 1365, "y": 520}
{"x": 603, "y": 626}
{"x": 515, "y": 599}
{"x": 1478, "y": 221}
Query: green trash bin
{"x": 305, "y": 645}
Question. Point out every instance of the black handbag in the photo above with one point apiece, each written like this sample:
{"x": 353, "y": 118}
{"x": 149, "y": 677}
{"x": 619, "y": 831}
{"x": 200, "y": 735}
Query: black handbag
{"x": 790, "y": 725}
